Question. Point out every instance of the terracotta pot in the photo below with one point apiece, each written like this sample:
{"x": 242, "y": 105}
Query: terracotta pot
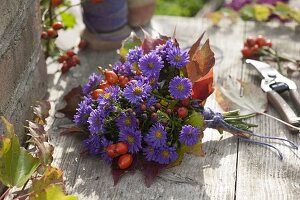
{"x": 140, "y": 12}
{"x": 106, "y": 24}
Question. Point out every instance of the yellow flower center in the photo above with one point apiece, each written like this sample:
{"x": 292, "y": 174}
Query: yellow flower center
{"x": 151, "y": 65}
{"x": 158, "y": 134}
{"x": 107, "y": 95}
{"x": 135, "y": 66}
{"x": 177, "y": 58}
{"x": 128, "y": 121}
{"x": 180, "y": 87}
{"x": 130, "y": 139}
{"x": 137, "y": 90}
{"x": 165, "y": 153}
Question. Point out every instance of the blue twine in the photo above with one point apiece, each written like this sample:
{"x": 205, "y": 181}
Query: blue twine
{"x": 216, "y": 120}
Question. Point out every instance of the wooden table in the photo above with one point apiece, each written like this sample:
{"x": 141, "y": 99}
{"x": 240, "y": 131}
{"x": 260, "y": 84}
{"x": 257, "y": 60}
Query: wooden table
{"x": 231, "y": 169}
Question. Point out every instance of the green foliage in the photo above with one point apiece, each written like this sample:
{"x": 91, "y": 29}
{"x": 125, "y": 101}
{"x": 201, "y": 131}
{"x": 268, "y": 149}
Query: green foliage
{"x": 257, "y": 12}
{"x": 179, "y": 7}
{"x": 130, "y": 43}
{"x": 68, "y": 19}
{"x": 52, "y": 192}
{"x": 16, "y": 164}
{"x": 195, "y": 119}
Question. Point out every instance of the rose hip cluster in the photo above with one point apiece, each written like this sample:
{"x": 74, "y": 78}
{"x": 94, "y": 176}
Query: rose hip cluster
{"x": 252, "y": 46}
{"x": 52, "y": 32}
{"x": 68, "y": 60}
{"x": 120, "y": 150}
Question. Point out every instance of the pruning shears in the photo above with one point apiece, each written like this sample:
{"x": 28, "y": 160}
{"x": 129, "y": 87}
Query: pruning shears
{"x": 274, "y": 83}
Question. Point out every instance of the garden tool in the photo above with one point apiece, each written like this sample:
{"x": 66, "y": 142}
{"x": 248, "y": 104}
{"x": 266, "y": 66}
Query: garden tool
{"x": 274, "y": 83}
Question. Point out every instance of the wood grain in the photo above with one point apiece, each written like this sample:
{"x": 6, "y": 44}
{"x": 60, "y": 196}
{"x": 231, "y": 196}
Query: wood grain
{"x": 231, "y": 169}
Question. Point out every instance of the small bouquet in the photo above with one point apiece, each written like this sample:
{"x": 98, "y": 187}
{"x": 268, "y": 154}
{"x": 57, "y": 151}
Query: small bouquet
{"x": 147, "y": 110}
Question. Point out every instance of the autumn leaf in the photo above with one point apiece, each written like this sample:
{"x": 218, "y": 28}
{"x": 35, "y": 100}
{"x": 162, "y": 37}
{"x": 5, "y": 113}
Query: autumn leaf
{"x": 73, "y": 98}
{"x": 71, "y": 130}
{"x": 52, "y": 175}
{"x": 200, "y": 63}
{"x": 229, "y": 98}
{"x": 150, "y": 43}
{"x": 52, "y": 192}
{"x": 129, "y": 43}
{"x": 203, "y": 87}
{"x": 151, "y": 170}
{"x": 16, "y": 163}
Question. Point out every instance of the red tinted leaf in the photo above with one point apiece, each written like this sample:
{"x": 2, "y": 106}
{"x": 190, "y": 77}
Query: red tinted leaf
{"x": 195, "y": 46}
{"x": 201, "y": 62}
{"x": 73, "y": 98}
{"x": 72, "y": 130}
{"x": 150, "y": 43}
{"x": 203, "y": 87}
{"x": 117, "y": 173}
{"x": 151, "y": 170}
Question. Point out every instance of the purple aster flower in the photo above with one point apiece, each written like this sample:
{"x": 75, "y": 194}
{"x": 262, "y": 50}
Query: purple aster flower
{"x": 96, "y": 121}
{"x": 135, "y": 92}
{"x": 134, "y": 55}
{"x": 151, "y": 101}
{"x": 133, "y": 138}
{"x": 150, "y": 153}
{"x": 189, "y": 135}
{"x": 180, "y": 88}
{"x": 157, "y": 135}
{"x": 111, "y": 94}
{"x": 272, "y": 2}
{"x": 122, "y": 68}
{"x": 93, "y": 144}
{"x": 104, "y": 155}
{"x": 238, "y": 4}
{"x": 150, "y": 64}
{"x": 93, "y": 82}
{"x": 126, "y": 121}
{"x": 162, "y": 50}
{"x": 83, "y": 112}
{"x": 166, "y": 155}
{"x": 177, "y": 58}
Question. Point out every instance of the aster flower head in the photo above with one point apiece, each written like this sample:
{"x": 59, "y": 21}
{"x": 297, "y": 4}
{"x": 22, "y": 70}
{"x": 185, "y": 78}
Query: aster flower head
{"x": 93, "y": 144}
{"x": 96, "y": 121}
{"x": 150, "y": 153}
{"x": 136, "y": 91}
{"x": 150, "y": 64}
{"x": 93, "y": 82}
{"x": 162, "y": 50}
{"x": 131, "y": 137}
{"x": 151, "y": 101}
{"x": 134, "y": 55}
{"x": 166, "y": 155}
{"x": 111, "y": 94}
{"x": 177, "y": 58}
{"x": 122, "y": 68}
{"x": 180, "y": 88}
{"x": 126, "y": 121}
{"x": 157, "y": 136}
{"x": 83, "y": 112}
{"x": 189, "y": 135}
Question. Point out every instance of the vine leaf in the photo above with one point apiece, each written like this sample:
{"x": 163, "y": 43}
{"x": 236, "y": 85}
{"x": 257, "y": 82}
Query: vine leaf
{"x": 68, "y": 19}
{"x": 73, "y": 98}
{"x": 229, "y": 98}
{"x": 150, "y": 171}
{"x": 52, "y": 175}
{"x": 16, "y": 163}
{"x": 129, "y": 43}
{"x": 52, "y": 192}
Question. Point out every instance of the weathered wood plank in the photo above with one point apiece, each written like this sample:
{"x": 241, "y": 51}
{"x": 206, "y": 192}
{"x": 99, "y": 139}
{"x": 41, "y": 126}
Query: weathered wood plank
{"x": 261, "y": 175}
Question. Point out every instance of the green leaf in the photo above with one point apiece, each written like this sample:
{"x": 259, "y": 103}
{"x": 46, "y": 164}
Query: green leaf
{"x": 195, "y": 119}
{"x": 215, "y": 17}
{"x": 68, "y": 19}
{"x": 247, "y": 12}
{"x": 131, "y": 42}
{"x": 282, "y": 10}
{"x": 295, "y": 15}
{"x": 16, "y": 163}
{"x": 262, "y": 12}
{"x": 52, "y": 175}
{"x": 52, "y": 192}
{"x": 194, "y": 149}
